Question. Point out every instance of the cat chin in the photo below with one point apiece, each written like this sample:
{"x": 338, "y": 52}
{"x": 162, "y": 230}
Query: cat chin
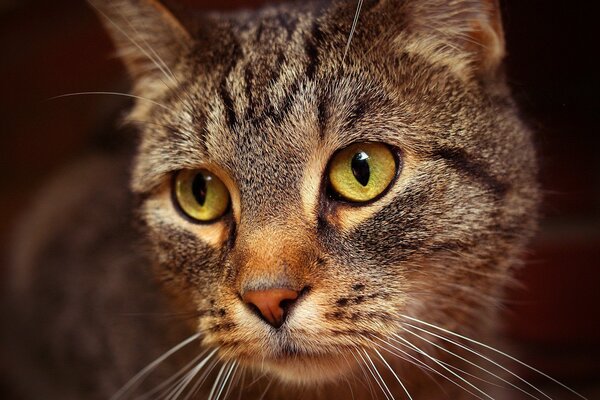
{"x": 308, "y": 370}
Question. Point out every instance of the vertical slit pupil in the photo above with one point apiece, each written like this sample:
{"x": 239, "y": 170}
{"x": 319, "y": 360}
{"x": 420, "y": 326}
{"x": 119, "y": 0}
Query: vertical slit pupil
{"x": 360, "y": 167}
{"x": 199, "y": 188}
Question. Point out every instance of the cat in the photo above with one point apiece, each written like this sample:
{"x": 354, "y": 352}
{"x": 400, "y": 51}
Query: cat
{"x": 325, "y": 201}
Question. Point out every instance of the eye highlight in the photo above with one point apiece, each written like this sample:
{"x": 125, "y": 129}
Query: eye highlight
{"x": 363, "y": 171}
{"x": 200, "y": 195}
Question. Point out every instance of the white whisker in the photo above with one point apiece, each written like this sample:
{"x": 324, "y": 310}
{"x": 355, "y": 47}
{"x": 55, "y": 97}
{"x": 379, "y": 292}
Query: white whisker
{"x": 349, "y": 387}
{"x": 172, "y": 378}
{"x": 133, "y": 381}
{"x": 421, "y": 364}
{"x": 354, "y": 378}
{"x": 241, "y": 390}
{"x": 217, "y": 380}
{"x": 266, "y": 389}
{"x": 496, "y": 351}
{"x": 393, "y": 373}
{"x": 353, "y": 28}
{"x": 226, "y": 381}
{"x": 367, "y": 380}
{"x": 462, "y": 371}
{"x": 379, "y": 381}
{"x": 202, "y": 378}
{"x": 133, "y": 96}
{"x": 190, "y": 376}
{"x": 472, "y": 363}
{"x": 235, "y": 378}
{"x": 435, "y": 360}
{"x": 256, "y": 379}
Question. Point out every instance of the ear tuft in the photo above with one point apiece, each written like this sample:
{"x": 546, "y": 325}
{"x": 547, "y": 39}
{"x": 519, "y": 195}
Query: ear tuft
{"x": 148, "y": 37}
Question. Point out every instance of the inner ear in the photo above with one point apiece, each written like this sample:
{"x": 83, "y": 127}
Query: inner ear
{"x": 149, "y": 38}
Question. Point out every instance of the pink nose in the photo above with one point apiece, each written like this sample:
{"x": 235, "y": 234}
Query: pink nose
{"x": 272, "y": 304}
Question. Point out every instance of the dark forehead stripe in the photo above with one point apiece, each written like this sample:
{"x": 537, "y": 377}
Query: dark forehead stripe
{"x": 311, "y": 48}
{"x": 255, "y": 79}
{"x": 322, "y": 114}
{"x": 289, "y": 22}
{"x": 476, "y": 170}
{"x": 226, "y": 98}
{"x": 263, "y": 71}
{"x": 249, "y": 88}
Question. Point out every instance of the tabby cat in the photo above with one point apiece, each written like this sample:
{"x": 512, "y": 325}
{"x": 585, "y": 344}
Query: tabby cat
{"x": 325, "y": 202}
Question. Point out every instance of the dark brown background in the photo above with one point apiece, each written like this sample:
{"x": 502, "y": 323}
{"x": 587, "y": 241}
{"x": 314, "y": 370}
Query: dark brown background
{"x": 50, "y": 48}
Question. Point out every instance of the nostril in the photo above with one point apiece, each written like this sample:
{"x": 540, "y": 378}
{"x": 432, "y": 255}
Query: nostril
{"x": 285, "y": 304}
{"x": 305, "y": 290}
{"x": 272, "y": 304}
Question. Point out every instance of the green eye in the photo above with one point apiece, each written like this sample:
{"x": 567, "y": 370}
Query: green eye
{"x": 201, "y": 195}
{"x": 362, "y": 171}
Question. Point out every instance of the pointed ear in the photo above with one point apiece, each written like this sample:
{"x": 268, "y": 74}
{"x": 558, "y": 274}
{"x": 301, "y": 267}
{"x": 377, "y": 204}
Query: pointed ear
{"x": 148, "y": 37}
{"x": 471, "y": 29}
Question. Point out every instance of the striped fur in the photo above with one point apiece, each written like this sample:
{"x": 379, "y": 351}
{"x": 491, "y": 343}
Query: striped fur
{"x": 263, "y": 99}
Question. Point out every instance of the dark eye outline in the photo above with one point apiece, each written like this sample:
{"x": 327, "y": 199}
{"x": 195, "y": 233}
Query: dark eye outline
{"x": 183, "y": 213}
{"x": 334, "y": 196}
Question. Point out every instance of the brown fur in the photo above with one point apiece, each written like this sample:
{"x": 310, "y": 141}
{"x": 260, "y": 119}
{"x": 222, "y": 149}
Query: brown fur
{"x": 263, "y": 99}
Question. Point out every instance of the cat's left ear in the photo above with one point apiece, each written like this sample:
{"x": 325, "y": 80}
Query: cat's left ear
{"x": 148, "y": 37}
{"x": 470, "y": 31}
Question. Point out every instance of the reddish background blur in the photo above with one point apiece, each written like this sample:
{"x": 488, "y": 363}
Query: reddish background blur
{"x": 54, "y": 47}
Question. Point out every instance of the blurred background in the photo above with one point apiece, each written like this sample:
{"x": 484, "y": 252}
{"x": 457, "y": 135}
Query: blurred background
{"x": 49, "y": 48}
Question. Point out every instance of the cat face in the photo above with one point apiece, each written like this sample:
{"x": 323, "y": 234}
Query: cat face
{"x": 288, "y": 274}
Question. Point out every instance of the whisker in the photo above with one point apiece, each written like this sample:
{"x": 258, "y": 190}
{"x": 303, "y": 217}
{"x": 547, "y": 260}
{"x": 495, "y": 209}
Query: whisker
{"x": 422, "y": 364}
{"x": 354, "y": 377}
{"x": 378, "y": 374}
{"x": 353, "y": 28}
{"x": 472, "y": 363}
{"x": 235, "y": 378}
{"x": 137, "y": 377}
{"x": 190, "y": 376}
{"x": 266, "y": 389}
{"x": 496, "y": 351}
{"x": 372, "y": 368}
{"x": 435, "y": 360}
{"x": 349, "y": 387}
{"x": 256, "y": 379}
{"x": 202, "y": 378}
{"x": 393, "y": 373}
{"x": 242, "y": 383}
{"x": 462, "y": 371}
{"x": 367, "y": 380}
{"x": 226, "y": 381}
{"x": 217, "y": 380}
{"x": 172, "y": 378}
{"x": 133, "y": 96}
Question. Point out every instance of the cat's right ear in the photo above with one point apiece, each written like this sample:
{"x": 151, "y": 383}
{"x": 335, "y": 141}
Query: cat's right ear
{"x": 466, "y": 35}
{"x": 148, "y": 37}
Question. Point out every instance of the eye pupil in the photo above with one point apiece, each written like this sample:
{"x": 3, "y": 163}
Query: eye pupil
{"x": 360, "y": 167}
{"x": 199, "y": 188}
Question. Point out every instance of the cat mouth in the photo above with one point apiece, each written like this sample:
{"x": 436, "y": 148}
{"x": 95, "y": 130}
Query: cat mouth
{"x": 289, "y": 352}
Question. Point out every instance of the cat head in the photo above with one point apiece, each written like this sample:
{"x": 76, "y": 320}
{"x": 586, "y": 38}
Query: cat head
{"x": 306, "y": 193}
